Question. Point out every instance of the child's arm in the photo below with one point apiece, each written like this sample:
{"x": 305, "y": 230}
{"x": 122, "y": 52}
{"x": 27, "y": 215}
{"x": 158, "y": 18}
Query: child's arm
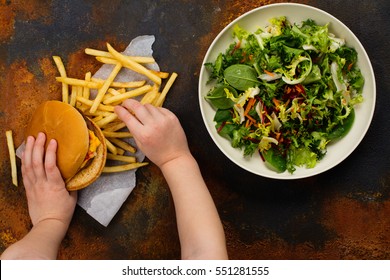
{"x": 159, "y": 135}
{"x": 42, "y": 242}
{"x": 50, "y": 205}
{"x": 200, "y": 229}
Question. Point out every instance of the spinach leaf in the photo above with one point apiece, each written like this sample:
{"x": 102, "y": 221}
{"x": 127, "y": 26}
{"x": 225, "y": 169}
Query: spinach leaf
{"x": 226, "y": 130}
{"x": 222, "y": 116}
{"x": 275, "y": 160}
{"x": 217, "y": 97}
{"x": 342, "y": 129}
{"x": 241, "y": 76}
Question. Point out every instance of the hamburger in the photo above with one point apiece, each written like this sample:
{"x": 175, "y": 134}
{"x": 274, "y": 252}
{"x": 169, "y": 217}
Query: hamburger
{"x": 81, "y": 150}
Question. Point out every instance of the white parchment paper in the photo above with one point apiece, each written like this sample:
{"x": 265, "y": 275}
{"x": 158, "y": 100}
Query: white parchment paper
{"x": 105, "y": 196}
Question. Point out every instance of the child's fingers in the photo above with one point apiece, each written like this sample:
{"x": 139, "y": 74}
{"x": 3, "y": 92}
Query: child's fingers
{"x": 155, "y": 112}
{"x": 37, "y": 156}
{"x": 166, "y": 112}
{"x": 26, "y": 158}
{"x": 27, "y": 170}
{"x": 140, "y": 111}
{"x": 131, "y": 122}
{"x": 52, "y": 172}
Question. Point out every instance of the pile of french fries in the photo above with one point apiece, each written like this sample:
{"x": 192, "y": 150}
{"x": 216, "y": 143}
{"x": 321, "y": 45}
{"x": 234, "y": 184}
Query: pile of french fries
{"x": 100, "y": 108}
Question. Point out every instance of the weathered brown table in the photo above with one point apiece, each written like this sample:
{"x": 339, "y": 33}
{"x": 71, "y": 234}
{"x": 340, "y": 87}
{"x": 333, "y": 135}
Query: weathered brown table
{"x": 343, "y": 213}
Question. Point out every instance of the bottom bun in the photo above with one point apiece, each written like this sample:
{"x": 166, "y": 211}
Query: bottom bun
{"x": 92, "y": 171}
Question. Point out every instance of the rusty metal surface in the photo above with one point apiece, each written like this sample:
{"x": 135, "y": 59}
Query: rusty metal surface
{"x": 341, "y": 214}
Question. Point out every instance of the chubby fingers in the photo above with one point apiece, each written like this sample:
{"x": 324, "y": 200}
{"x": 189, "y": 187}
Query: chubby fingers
{"x": 52, "y": 172}
{"x": 146, "y": 114}
{"x": 38, "y": 155}
{"x": 139, "y": 110}
{"x": 132, "y": 123}
{"x": 27, "y": 169}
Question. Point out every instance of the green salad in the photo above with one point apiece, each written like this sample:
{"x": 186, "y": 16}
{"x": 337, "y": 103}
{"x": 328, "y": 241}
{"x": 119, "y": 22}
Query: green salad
{"x": 285, "y": 91}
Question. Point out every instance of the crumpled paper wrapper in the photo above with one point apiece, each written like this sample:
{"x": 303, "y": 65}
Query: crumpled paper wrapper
{"x": 103, "y": 198}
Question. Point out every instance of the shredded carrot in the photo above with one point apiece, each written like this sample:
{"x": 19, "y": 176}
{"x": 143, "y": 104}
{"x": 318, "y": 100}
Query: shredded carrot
{"x": 249, "y": 106}
{"x": 275, "y": 101}
{"x": 269, "y": 73}
{"x": 250, "y": 118}
{"x": 350, "y": 66}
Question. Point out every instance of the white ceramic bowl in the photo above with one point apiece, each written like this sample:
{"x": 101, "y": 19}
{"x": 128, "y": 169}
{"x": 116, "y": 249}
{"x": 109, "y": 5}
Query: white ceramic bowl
{"x": 295, "y": 13}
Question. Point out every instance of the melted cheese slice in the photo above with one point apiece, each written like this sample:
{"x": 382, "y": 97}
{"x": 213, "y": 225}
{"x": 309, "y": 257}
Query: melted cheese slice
{"x": 94, "y": 143}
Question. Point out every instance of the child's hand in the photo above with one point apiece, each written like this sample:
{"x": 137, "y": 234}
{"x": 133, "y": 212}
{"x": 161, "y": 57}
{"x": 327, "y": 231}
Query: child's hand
{"x": 46, "y": 194}
{"x": 157, "y": 131}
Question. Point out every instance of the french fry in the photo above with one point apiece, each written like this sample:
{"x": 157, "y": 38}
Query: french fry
{"x": 139, "y": 59}
{"x": 119, "y": 134}
{"x": 122, "y": 144}
{"x": 129, "y": 94}
{"x": 133, "y": 84}
{"x": 61, "y": 70}
{"x": 116, "y": 103}
{"x": 12, "y": 156}
{"x": 149, "y": 97}
{"x": 129, "y": 159}
{"x": 78, "y": 82}
{"x": 162, "y": 75}
{"x": 97, "y": 118}
{"x": 142, "y": 59}
{"x": 83, "y": 108}
{"x": 113, "y": 91}
{"x": 106, "y": 96}
{"x": 94, "y": 52}
{"x": 164, "y": 92}
{"x": 124, "y": 167}
{"x": 106, "y": 60}
{"x": 79, "y": 92}
{"x": 97, "y": 113}
{"x": 135, "y": 66}
{"x": 86, "y": 91}
{"x": 106, "y": 85}
{"x": 110, "y": 147}
{"x": 120, "y": 151}
{"x": 73, "y": 96}
{"x": 114, "y": 126}
{"x": 90, "y": 102}
{"x": 107, "y": 119}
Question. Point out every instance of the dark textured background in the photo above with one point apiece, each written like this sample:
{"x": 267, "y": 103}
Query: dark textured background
{"x": 343, "y": 213}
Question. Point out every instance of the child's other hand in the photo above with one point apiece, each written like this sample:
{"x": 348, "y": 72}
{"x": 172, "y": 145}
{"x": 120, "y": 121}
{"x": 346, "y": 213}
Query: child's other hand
{"x": 157, "y": 131}
{"x": 47, "y": 197}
